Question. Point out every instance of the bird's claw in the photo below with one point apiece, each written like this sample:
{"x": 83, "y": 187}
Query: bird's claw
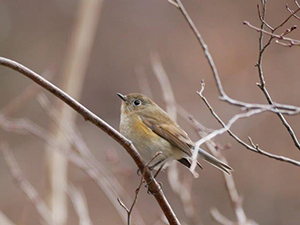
{"x": 153, "y": 193}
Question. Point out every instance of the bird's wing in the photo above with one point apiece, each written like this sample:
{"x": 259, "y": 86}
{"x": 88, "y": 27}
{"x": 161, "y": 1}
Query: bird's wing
{"x": 171, "y": 132}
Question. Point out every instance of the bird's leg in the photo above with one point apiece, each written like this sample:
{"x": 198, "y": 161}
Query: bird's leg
{"x": 160, "y": 183}
{"x": 151, "y": 168}
{"x": 156, "y": 164}
{"x": 156, "y": 174}
{"x": 138, "y": 172}
{"x": 152, "y": 179}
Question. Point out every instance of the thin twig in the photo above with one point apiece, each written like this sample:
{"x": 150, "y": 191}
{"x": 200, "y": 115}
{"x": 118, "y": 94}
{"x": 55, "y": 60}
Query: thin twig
{"x": 220, "y": 131}
{"x": 292, "y": 12}
{"x": 236, "y": 200}
{"x": 26, "y": 187}
{"x": 247, "y": 146}
{"x": 88, "y": 115}
{"x": 262, "y": 49}
{"x": 137, "y": 191}
{"x": 220, "y": 218}
{"x": 222, "y": 93}
{"x": 292, "y": 42}
{"x": 262, "y": 84}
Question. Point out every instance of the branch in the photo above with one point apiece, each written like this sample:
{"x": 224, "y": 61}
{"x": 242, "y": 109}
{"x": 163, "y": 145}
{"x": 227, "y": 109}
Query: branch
{"x": 292, "y": 42}
{"x": 236, "y": 200}
{"x": 99, "y": 173}
{"x": 262, "y": 84}
{"x": 26, "y": 187}
{"x": 5, "y": 220}
{"x": 213, "y": 134}
{"x": 137, "y": 191}
{"x": 86, "y": 161}
{"x": 223, "y": 95}
{"x": 250, "y": 147}
{"x": 292, "y": 11}
{"x": 287, "y": 109}
{"x": 80, "y": 205}
{"x": 220, "y": 218}
{"x": 89, "y": 116}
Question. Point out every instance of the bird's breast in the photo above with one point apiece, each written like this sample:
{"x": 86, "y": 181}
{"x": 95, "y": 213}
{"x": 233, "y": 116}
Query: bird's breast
{"x": 144, "y": 139}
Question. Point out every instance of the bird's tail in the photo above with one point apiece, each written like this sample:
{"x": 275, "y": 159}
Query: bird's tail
{"x": 214, "y": 161}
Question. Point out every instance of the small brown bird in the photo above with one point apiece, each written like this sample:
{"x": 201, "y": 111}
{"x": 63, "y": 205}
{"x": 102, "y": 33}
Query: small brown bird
{"x": 151, "y": 130}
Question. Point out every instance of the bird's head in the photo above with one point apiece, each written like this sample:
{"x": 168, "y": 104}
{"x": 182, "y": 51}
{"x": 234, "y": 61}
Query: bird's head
{"x": 136, "y": 102}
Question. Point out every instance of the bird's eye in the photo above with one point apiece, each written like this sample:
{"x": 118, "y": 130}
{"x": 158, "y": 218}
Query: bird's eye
{"x": 137, "y": 102}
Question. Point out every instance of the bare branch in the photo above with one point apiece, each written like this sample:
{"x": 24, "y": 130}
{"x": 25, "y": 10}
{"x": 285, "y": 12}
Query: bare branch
{"x": 229, "y": 181}
{"x": 217, "y": 216}
{"x": 5, "y": 220}
{"x": 284, "y": 21}
{"x": 88, "y": 115}
{"x": 87, "y": 162}
{"x": 137, "y": 191}
{"x": 80, "y": 205}
{"x": 26, "y": 187}
{"x": 213, "y": 134}
{"x": 292, "y": 42}
{"x": 173, "y": 3}
{"x": 262, "y": 19}
{"x": 220, "y": 218}
{"x": 262, "y": 84}
{"x": 164, "y": 81}
{"x": 292, "y": 12}
{"x": 222, "y": 93}
{"x": 99, "y": 173}
{"x": 203, "y": 46}
{"x": 247, "y": 146}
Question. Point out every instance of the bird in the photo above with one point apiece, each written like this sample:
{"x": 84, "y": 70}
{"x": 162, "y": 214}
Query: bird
{"x": 152, "y": 130}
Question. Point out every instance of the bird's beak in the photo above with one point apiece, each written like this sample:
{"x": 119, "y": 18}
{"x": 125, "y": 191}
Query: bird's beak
{"x": 123, "y": 97}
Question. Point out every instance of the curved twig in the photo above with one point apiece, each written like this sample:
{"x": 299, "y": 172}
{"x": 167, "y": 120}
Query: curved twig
{"x": 251, "y": 146}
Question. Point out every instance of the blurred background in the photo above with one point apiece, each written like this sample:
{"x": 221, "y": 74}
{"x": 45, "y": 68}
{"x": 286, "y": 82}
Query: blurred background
{"x": 42, "y": 35}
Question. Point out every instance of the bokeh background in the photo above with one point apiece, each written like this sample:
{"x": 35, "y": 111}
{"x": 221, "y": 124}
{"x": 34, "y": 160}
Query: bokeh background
{"x": 38, "y": 33}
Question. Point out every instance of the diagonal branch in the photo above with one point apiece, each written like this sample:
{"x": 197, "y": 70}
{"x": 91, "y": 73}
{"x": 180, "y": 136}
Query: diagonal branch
{"x": 154, "y": 187}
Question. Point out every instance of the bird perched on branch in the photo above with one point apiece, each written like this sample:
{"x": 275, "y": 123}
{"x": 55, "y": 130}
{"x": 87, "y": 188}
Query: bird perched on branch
{"x": 151, "y": 130}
